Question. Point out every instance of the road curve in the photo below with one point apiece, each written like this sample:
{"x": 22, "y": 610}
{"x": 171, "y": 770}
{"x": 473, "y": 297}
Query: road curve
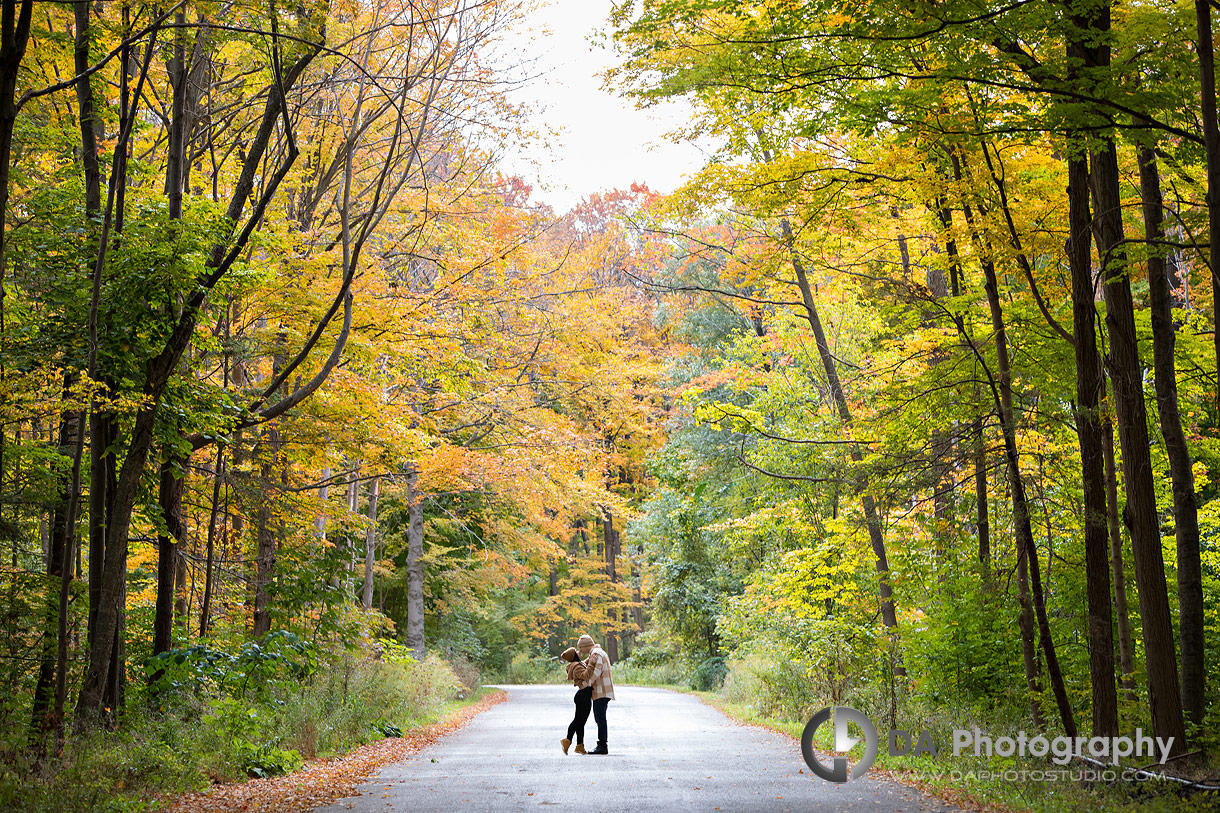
{"x": 668, "y": 752}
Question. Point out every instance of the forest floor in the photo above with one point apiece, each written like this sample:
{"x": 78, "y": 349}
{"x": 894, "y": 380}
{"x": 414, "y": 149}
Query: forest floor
{"x": 321, "y": 781}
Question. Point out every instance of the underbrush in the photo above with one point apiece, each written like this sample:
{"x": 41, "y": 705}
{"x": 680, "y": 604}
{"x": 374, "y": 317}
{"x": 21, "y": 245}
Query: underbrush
{"x": 664, "y": 675}
{"x": 194, "y": 737}
{"x": 647, "y": 666}
{"x": 532, "y": 668}
{"x": 651, "y": 666}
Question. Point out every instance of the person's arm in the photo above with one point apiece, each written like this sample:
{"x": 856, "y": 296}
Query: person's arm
{"x": 593, "y": 668}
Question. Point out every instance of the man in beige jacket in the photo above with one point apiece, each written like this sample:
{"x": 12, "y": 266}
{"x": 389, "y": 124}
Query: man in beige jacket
{"x": 597, "y": 675}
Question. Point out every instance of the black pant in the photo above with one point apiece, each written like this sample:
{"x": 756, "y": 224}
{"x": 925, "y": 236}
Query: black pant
{"x": 599, "y": 714}
{"x": 583, "y": 700}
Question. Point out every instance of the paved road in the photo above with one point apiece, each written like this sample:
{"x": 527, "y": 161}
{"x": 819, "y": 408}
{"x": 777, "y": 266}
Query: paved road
{"x": 668, "y": 752}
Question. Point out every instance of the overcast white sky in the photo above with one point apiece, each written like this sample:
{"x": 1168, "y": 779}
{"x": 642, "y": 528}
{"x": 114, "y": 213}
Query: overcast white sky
{"x": 603, "y": 142}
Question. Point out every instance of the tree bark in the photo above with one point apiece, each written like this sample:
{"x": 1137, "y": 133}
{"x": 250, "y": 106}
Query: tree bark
{"x": 264, "y": 558}
{"x": 1126, "y": 652}
{"x": 370, "y": 545}
{"x": 61, "y": 537}
{"x": 941, "y": 441}
{"x": 1126, "y": 372}
{"x": 1211, "y": 149}
{"x": 205, "y": 609}
{"x": 171, "y": 485}
{"x": 982, "y": 521}
{"x": 609, "y": 549}
{"x": 1029, "y": 645}
{"x": 319, "y": 522}
{"x": 415, "y": 564}
{"x": 1185, "y": 505}
{"x": 14, "y": 37}
{"x": 1089, "y": 386}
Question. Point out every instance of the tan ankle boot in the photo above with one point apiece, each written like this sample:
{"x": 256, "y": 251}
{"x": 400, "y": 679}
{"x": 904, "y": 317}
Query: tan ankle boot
{"x": 565, "y": 742}
{"x": 580, "y": 748}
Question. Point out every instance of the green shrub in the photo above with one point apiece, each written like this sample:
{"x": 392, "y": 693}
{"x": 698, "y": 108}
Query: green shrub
{"x": 349, "y": 701}
{"x": 264, "y": 726}
{"x": 709, "y": 674}
{"x": 264, "y": 760}
{"x": 628, "y": 673}
{"x": 533, "y": 668}
{"x": 772, "y": 687}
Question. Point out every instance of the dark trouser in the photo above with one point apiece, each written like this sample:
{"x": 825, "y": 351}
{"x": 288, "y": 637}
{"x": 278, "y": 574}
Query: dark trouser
{"x": 583, "y": 700}
{"x": 599, "y": 714}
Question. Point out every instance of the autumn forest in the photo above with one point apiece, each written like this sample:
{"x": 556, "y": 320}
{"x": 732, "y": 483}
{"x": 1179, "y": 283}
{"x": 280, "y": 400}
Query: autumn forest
{"x": 314, "y": 418}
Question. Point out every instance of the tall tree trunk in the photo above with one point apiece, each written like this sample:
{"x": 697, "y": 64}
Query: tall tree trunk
{"x": 106, "y": 637}
{"x": 264, "y": 558}
{"x": 1002, "y": 392}
{"x": 982, "y": 522}
{"x": 1029, "y": 642}
{"x": 1185, "y": 506}
{"x": 183, "y": 579}
{"x": 370, "y": 544}
{"x": 176, "y": 71}
{"x": 415, "y": 564}
{"x": 637, "y": 612}
{"x": 205, "y": 609}
{"x": 581, "y": 524}
{"x": 1126, "y": 652}
{"x": 1141, "y": 513}
{"x": 610, "y": 536}
{"x": 1211, "y": 143}
{"x": 51, "y": 682}
{"x": 103, "y": 434}
{"x": 319, "y": 522}
{"x": 353, "y": 504}
{"x": 61, "y": 534}
{"x": 1089, "y": 386}
{"x": 941, "y": 441}
{"x": 15, "y": 18}
{"x": 112, "y": 491}
{"x": 14, "y": 36}
{"x": 171, "y": 486}
{"x": 871, "y": 519}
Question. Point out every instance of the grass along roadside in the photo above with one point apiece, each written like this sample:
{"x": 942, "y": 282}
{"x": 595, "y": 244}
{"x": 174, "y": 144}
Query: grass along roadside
{"x": 203, "y": 736}
{"x": 977, "y": 783}
{"x": 322, "y": 781}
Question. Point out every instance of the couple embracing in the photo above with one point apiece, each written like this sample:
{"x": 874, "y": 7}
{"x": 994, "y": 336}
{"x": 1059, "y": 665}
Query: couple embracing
{"x": 594, "y": 690}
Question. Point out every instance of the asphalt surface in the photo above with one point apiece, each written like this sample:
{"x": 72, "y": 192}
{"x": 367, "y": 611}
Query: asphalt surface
{"x": 668, "y": 752}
